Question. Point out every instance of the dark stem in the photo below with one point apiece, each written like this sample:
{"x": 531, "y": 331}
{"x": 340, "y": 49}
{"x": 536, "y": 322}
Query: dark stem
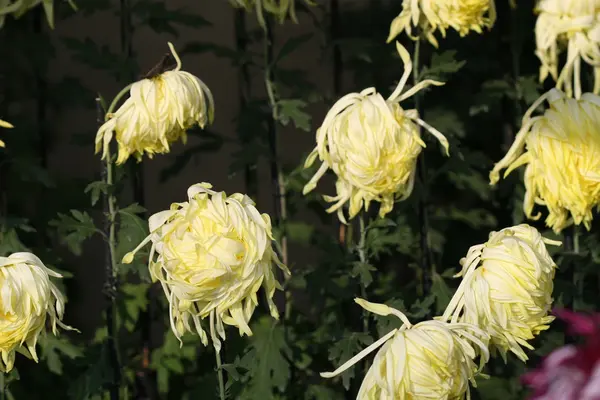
{"x": 422, "y": 173}
{"x": 110, "y": 285}
{"x": 42, "y": 85}
{"x": 242, "y": 42}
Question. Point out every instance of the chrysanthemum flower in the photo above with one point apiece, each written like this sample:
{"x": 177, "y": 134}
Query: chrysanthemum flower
{"x": 430, "y": 360}
{"x": 7, "y": 125}
{"x": 27, "y": 300}
{"x": 280, "y": 9}
{"x": 562, "y": 157}
{"x": 506, "y": 288}
{"x": 573, "y": 25}
{"x": 372, "y": 145}
{"x": 158, "y": 113}
{"x": 19, "y": 7}
{"x": 213, "y": 253}
{"x": 438, "y": 15}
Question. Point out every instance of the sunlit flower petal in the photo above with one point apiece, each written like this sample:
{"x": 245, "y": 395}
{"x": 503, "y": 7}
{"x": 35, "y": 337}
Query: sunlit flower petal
{"x": 430, "y": 360}
{"x": 506, "y": 288}
{"x": 28, "y": 299}
{"x": 572, "y": 25}
{"x": 439, "y": 15}
{"x": 372, "y": 145}
{"x": 211, "y": 255}
{"x": 159, "y": 112}
{"x": 7, "y": 125}
{"x": 562, "y": 158}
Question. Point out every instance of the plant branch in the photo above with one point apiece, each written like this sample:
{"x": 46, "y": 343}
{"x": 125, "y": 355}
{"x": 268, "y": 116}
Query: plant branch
{"x": 220, "y": 375}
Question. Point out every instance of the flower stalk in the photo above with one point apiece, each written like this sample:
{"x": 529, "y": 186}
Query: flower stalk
{"x": 220, "y": 375}
{"x": 110, "y": 286}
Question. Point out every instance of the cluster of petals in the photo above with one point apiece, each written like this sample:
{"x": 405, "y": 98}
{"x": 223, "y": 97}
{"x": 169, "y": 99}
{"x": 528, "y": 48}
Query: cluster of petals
{"x": 574, "y": 26}
{"x": 506, "y": 288}
{"x": 372, "y": 145}
{"x": 430, "y": 16}
{"x": 158, "y": 112}
{"x": 562, "y": 158}
{"x": 432, "y": 359}
{"x": 571, "y": 372}
{"x": 28, "y": 302}
{"x": 212, "y": 254}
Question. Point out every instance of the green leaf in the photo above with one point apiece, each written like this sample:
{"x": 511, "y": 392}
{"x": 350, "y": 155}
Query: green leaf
{"x": 134, "y": 302}
{"x": 97, "y": 374}
{"x": 157, "y": 16}
{"x": 74, "y": 229}
{"x": 96, "y": 189}
{"x": 441, "y": 291}
{"x": 132, "y": 231}
{"x": 265, "y": 360}
{"x": 54, "y": 349}
{"x": 292, "y": 45}
{"x": 446, "y": 121}
{"x": 319, "y": 392}
{"x": 442, "y": 65}
{"x": 293, "y": 110}
{"x": 363, "y": 270}
{"x": 346, "y": 348}
{"x": 299, "y": 232}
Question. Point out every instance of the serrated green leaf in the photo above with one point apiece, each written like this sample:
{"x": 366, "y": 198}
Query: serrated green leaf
{"x": 74, "y": 229}
{"x": 442, "y": 65}
{"x": 293, "y": 110}
{"x": 96, "y": 189}
{"x": 292, "y": 45}
{"x": 441, "y": 291}
{"x": 363, "y": 270}
{"x": 346, "y": 348}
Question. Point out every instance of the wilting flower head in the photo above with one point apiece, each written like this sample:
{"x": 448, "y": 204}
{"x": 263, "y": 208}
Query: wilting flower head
{"x": 570, "y": 372}
{"x": 27, "y": 299}
{"x": 158, "y": 113}
{"x": 4, "y": 124}
{"x": 19, "y": 7}
{"x": 280, "y": 9}
{"x": 213, "y": 253}
{"x": 562, "y": 157}
{"x": 506, "y": 288}
{"x": 432, "y": 359}
{"x": 432, "y": 15}
{"x": 573, "y": 25}
{"x": 372, "y": 145}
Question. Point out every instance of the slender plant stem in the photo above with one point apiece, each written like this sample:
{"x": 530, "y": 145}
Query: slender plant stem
{"x": 220, "y": 375}
{"x": 2, "y": 386}
{"x": 422, "y": 170}
{"x": 362, "y": 256}
{"x": 277, "y": 177}
{"x": 110, "y": 289}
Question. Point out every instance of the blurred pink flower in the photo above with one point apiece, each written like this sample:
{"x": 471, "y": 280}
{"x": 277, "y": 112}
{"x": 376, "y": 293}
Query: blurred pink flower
{"x": 570, "y": 372}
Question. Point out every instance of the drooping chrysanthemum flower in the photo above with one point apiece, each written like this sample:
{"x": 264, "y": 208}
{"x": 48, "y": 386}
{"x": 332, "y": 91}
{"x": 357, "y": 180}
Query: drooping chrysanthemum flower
{"x": 430, "y": 360}
{"x": 562, "y": 157}
{"x": 280, "y": 9}
{"x": 17, "y": 8}
{"x": 570, "y": 372}
{"x": 572, "y": 25}
{"x": 506, "y": 288}
{"x": 7, "y": 125}
{"x": 372, "y": 145}
{"x": 430, "y": 16}
{"x": 159, "y": 112}
{"x": 211, "y": 255}
{"x": 28, "y": 299}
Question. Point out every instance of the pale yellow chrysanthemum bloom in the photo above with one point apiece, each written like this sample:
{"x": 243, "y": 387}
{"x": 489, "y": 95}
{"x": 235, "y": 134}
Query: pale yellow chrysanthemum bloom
{"x": 430, "y": 16}
{"x": 18, "y": 8}
{"x": 574, "y": 25}
{"x": 372, "y": 145}
{"x": 430, "y": 360}
{"x": 506, "y": 288}
{"x": 159, "y": 112}
{"x": 562, "y": 157}
{"x": 28, "y": 301}
{"x": 7, "y": 125}
{"x": 211, "y": 255}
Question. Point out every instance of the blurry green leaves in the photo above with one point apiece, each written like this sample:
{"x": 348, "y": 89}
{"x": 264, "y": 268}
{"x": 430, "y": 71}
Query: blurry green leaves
{"x": 525, "y": 89}
{"x": 132, "y": 231}
{"x": 156, "y": 15}
{"x": 96, "y": 56}
{"x": 170, "y": 359}
{"x": 347, "y": 347}
{"x": 95, "y": 189}
{"x": 74, "y": 229}
{"x": 10, "y": 229}
{"x": 291, "y": 45}
{"x": 266, "y": 360}
{"x": 54, "y": 349}
{"x": 293, "y": 110}
{"x": 442, "y": 66}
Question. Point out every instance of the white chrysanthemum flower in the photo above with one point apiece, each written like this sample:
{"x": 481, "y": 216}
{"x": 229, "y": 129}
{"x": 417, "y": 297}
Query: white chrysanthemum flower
{"x": 506, "y": 288}
{"x": 562, "y": 158}
{"x": 28, "y": 299}
{"x": 573, "y": 25}
{"x": 7, "y": 125}
{"x": 372, "y": 145}
{"x": 438, "y": 15}
{"x": 159, "y": 112}
{"x": 211, "y": 255}
{"x": 430, "y": 360}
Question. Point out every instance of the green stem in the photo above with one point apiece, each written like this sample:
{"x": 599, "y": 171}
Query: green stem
{"x": 111, "y": 262}
{"x": 362, "y": 256}
{"x": 2, "y": 386}
{"x": 117, "y": 98}
{"x": 220, "y": 375}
